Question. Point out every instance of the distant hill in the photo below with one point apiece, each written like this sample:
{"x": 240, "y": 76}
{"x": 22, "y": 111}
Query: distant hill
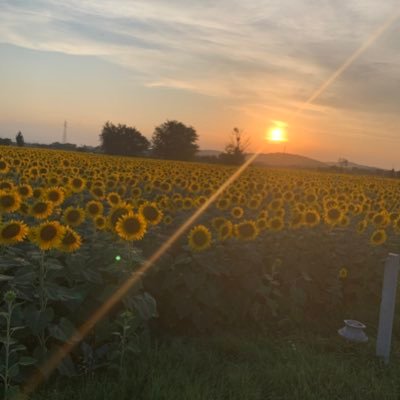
{"x": 284, "y": 160}
{"x": 287, "y": 160}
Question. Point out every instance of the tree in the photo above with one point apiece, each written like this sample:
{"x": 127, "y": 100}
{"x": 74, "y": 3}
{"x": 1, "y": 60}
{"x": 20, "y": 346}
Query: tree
{"x": 173, "y": 140}
{"x": 235, "y": 150}
{"x": 20, "y": 139}
{"x": 123, "y": 140}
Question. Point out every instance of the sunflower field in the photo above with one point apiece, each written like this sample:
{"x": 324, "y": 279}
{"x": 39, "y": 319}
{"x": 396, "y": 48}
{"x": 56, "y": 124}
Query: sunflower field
{"x": 278, "y": 249}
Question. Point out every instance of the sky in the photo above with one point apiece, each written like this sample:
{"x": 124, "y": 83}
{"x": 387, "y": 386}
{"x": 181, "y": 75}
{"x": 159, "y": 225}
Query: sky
{"x": 213, "y": 65}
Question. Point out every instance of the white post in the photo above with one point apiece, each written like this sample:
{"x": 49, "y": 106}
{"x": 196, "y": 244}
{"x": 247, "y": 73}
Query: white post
{"x": 388, "y": 301}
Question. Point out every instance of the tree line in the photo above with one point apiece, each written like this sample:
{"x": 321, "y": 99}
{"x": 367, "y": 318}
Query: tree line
{"x": 171, "y": 140}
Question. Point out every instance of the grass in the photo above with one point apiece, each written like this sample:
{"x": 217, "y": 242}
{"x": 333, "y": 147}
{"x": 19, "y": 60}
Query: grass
{"x": 234, "y": 368}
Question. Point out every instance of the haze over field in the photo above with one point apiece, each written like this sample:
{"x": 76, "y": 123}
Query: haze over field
{"x": 213, "y": 65}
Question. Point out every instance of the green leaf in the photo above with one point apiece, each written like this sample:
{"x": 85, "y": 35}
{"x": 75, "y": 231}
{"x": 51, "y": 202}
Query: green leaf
{"x": 25, "y": 361}
{"x": 3, "y": 340}
{"x": 63, "y": 331}
{"x": 19, "y": 347}
{"x": 146, "y": 306}
{"x": 13, "y": 371}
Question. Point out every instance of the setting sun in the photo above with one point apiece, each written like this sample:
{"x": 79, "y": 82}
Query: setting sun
{"x": 277, "y": 133}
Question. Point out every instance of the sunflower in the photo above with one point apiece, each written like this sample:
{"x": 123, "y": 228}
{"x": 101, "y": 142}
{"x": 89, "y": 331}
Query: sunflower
{"x": 7, "y": 185}
{"x": 73, "y": 216}
{"x": 187, "y": 203}
{"x": 396, "y": 225}
{"x": 116, "y": 212}
{"x": 361, "y": 226}
{"x": 4, "y": 167}
{"x": 199, "y": 238}
{"x": 54, "y": 194}
{"x": 100, "y": 222}
{"x": 113, "y": 199}
{"x": 381, "y": 219}
{"x": 333, "y": 216}
{"x": 37, "y": 193}
{"x": 199, "y": 201}
{"x": 225, "y": 231}
{"x": 223, "y": 204}
{"x": 131, "y": 226}
{"x": 311, "y": 218}
{"x": 167, "y": 220}
{"x": 77, "y": 184}
{"x": 262, "y": 223}
{"x": 246, "y": 230}
{"x": 276, "y": 224}
{"x": 42, "y": 209}
{"x": 71, "y": 241}
{"x": 151, "y": 213}
{"x": 237, "y": 212}
{"x": 98, "y": 192}
{"x": 343, "y": 273}
{"x": 13, "y": 232}
{"x": 217, "y": 222}
{"x": 94, "y": 208}
{"x": 275, "y": 205}
{"x": 378, "y": 237}
{"x": 25, "y": 191}
{"x": 48, "y": 235}
{"x": 9, "y": 201}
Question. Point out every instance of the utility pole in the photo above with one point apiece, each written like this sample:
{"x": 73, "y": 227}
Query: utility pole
{"x": 64, "y": 138}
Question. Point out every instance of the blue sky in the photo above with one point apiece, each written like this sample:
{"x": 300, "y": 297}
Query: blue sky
{"x": 211, "y": 64}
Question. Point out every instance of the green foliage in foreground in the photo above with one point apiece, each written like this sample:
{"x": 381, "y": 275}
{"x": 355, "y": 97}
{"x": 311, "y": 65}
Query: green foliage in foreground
{"x": 242, "y": 369}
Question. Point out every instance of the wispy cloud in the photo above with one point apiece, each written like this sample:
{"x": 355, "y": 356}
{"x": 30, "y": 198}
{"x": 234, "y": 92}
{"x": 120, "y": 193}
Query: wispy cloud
{"x": 257, "y": 55}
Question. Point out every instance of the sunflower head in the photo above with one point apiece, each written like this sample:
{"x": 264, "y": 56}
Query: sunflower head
{"x": 100, "y": 222}
{"x": 114, "y": 199}
{"x": 311, "y": 218}
{"x": 152, "y": 214}
{"x": 237, "y": 212}
{"x": 25, "y": 191}
{"x": 13, "y": 232}
{"x": 54, "y": 194}
{"x": 276, "y": 224}
{"x": 48, "y": 235}
{"x": 199, "y": 238}
{"x": 246, "y": 230}
{"x": 225, "y": 231}
{"x": 94, "y": 208}
{"x": 71, "y": 241}
{"x": 9, "y": 201}
{"x": 378, "y": 237}
{"x": 131, "y": 226}
{"x": 42, "y": 209}
{"x": 73, "y": 216}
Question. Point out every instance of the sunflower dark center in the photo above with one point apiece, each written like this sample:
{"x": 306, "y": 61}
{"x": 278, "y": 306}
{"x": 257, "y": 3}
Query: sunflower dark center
{"x": 132, "y": 226}
{"x": 40, "y": 207}
{"x": 199, "y": 238}
{"x": 48, "y": 233}
{"x": 69, "y": 239}
{"x": 7, "y": 200}
{"x": 150, "y": 213}
{"x": 73, "y": 216}
{"x": 334, "y": 214}
{"x": 11, "y": 231}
